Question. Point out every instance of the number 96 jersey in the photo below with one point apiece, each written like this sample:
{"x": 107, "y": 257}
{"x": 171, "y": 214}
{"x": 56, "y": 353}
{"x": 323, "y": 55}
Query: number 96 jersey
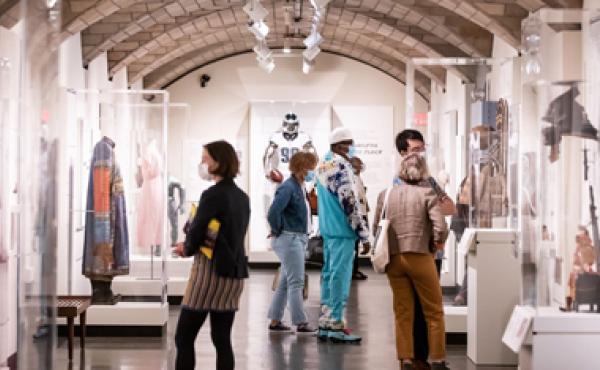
{"x": 286, "y": 148}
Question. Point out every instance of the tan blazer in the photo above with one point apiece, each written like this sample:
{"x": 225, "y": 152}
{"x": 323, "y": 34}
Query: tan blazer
{"x": 415, "y": 218}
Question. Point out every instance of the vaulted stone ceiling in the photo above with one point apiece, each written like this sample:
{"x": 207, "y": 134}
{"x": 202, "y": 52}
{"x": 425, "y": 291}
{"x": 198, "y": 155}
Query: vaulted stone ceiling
{"x": 161, "y": 40}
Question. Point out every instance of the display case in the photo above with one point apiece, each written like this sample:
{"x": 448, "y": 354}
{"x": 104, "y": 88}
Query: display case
{"x": 182, "y": 180}
{"x": 9, "y": 87}
{"x": 116, "y": 186}
{"x": 560, "y": 189}
{"x": 472, "y": 144}
{"x": 39, "y": 138}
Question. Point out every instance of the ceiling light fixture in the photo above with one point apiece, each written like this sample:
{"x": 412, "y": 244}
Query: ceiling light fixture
{"x": 259, "y": 29}
{"x": 255, "y": 10}
{"x": 307, "y": 66}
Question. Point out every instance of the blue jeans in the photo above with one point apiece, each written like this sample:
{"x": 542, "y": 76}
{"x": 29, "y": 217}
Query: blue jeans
{"x": 290, "y": 248}
{"x": 336, "y": 275}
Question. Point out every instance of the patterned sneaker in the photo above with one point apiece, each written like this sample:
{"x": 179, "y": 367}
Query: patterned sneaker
{"x": 279, "y": 327}
{"x": 343, "y": 336}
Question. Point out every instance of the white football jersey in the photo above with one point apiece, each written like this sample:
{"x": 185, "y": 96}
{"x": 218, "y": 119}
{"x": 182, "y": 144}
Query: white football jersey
{"x": 287, "y": 148}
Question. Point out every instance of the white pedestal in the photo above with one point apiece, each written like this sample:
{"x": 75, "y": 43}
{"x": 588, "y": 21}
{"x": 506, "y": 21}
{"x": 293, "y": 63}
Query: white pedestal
{"x": 494, "y": 281}
{"x": 138, "y": 282}
{"x": 563, "y": 340}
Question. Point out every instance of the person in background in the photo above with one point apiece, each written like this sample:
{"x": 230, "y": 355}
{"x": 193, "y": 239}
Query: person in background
{"x": 412, "y": 142}
{"x": 216, "y": 240}
{"x": 416, "y": 220}
{"x": 361, "y": 190}
{"x": 341, "y": 223}
{"x": 289, "y": 218}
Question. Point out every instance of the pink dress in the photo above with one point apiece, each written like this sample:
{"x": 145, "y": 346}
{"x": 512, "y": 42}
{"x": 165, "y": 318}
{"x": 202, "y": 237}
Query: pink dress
{"x": 150, "y": 207}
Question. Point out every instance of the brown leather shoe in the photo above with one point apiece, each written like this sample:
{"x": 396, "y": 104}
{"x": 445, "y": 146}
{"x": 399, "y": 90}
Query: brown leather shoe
{"x": 421, "y": 365}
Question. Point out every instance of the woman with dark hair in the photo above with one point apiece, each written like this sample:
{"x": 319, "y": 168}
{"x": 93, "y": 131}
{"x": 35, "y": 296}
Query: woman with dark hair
{"x": 216, "y": 240}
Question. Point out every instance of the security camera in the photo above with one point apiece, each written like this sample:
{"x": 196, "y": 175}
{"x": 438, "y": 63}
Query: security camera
{"x": 204, "y": 80}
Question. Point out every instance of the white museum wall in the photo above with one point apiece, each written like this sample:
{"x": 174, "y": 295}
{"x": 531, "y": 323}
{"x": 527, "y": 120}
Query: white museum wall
{"x": 222, "y": 109}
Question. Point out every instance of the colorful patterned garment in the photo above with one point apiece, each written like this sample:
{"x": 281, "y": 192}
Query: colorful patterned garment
{"x": 106, "y": 245}
{"x": 335, "y": 174}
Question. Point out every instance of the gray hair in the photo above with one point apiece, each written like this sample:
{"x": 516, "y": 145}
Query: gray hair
{"x": 413, "y": 168}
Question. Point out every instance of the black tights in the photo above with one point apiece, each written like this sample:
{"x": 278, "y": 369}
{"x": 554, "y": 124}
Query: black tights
{"x": 189, "y": 325}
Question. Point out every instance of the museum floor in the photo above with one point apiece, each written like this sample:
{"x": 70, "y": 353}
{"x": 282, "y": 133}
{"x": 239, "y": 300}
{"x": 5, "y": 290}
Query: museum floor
{"x": 369, "y": 313}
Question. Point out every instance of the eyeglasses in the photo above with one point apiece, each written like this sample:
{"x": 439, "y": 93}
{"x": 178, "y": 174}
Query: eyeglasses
{"x": 291, "y": 117}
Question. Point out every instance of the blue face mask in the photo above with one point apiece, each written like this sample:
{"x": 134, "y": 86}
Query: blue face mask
{"x": 351, "y": 151}
{"x": 310, "y": 176}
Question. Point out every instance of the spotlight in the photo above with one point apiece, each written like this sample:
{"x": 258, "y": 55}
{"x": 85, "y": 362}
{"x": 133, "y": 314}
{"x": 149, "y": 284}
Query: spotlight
{"x": 255, "y": 10}
{"x": 311, "y": 53}
{"x": 268, "y": 65}
{"x": 313, "y": 39}
{"x": 319, "y": 4}
{"x": 259, "y": 29}
{"x": 307, "y": 66}
{"x": 262, "y": 50}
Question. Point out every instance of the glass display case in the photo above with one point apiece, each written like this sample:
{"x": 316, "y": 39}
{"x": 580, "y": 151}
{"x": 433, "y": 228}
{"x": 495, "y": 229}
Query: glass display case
{"x": 560, "y": 166}
{"x": 118, "y": 196}
{"x": 472, "y": 143}
{"x": 9, "y": 73}
{"x": 39, "y": 144}
{"x": 560, "y": 180}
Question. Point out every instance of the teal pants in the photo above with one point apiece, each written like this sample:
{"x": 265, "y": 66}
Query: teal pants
{"x": 336, "y": 275}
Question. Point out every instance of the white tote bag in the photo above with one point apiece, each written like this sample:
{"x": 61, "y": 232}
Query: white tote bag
{"x": 381, "y": 251}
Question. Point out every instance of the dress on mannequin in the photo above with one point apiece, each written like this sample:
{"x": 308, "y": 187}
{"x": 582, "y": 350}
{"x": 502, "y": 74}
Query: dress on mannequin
{"x": 106, "y": 245}
{"x": 150, "y": 205}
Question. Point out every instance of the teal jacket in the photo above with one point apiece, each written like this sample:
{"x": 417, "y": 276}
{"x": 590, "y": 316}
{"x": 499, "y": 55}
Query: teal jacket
{"x": 340, "y": 214}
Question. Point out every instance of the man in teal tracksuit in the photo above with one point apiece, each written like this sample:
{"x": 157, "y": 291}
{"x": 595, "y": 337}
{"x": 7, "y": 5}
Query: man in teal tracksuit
{"x": 341, "y": 223}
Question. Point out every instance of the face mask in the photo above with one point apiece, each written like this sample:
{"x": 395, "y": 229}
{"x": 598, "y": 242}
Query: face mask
{"x": 422, "y": 154}
{"x": 351, "y": 151}
{"x": 203, "y": 172}
{"x": 363, "y": 168}
{"x": 310, "y": 176}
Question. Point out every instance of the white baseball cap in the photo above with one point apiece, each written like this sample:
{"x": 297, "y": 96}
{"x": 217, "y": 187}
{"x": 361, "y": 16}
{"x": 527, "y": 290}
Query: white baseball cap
{"x": 340, "y": 134}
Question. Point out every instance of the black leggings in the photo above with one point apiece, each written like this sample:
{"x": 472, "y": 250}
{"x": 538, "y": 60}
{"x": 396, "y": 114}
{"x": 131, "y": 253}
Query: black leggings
{"x": 189, "y": 325}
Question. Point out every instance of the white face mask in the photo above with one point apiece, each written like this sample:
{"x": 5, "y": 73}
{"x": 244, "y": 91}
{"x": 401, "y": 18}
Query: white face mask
{"x": 203, "y": 172}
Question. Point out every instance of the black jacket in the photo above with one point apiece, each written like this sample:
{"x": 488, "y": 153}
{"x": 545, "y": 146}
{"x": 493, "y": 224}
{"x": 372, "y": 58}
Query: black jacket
{"x": 231, "y": 207}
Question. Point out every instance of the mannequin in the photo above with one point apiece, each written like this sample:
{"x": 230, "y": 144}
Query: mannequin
{"x": 106, "y": 244}
{"x": 150, "y": 205}
{"x": 175, "y": 184}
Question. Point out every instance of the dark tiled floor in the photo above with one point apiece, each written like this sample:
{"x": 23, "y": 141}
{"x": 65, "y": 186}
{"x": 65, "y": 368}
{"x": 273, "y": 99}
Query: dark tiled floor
{"x": 369, "y": 313}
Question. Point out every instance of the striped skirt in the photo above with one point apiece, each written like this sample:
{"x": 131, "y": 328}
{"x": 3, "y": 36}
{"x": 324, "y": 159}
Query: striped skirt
{"x": 206, "y": 291}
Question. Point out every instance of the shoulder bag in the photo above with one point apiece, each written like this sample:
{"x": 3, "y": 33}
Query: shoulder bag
{"x": 380, "y": 256}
